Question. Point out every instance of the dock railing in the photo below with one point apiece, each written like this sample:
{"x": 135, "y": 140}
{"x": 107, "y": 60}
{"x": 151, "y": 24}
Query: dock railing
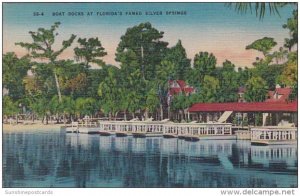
{"x": 165, "y": 127}
{"x": 273, "y": 133}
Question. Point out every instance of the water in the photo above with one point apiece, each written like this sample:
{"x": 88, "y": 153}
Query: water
{"x": 54, "y": 159}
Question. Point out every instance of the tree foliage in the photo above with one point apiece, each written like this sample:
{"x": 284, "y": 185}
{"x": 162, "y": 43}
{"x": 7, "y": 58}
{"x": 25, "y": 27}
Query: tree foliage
{"x": 145, "y": 42}
{"x": 256, "y": 90}
{"x": 263, "y": 45}
{"x": 14, "y": 70}
{"x": 204, "y": 64}
{"x": 42, "y": 48}
{"x": 90, "y": 50}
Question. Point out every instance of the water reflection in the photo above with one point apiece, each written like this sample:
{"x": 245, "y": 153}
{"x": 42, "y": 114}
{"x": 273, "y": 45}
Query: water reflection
{"x": 78, "y": 160}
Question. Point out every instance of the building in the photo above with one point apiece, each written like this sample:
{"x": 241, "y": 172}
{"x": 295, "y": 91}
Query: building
{"x": 272, "y": 113}
{"x": 277, "y": 109}
{"x": 180, "y": 86}
{"x": 279, "y": 94}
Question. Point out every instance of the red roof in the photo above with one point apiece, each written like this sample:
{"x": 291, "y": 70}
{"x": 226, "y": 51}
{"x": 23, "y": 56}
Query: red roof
{"x": 182, "y": 87}
{"x": 282, "y": 92}
{"x": 245, "y": 107}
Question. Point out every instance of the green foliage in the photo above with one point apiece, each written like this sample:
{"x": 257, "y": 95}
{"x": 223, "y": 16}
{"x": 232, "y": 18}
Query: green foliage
{"x": 43, "y": 40}
{"x": 263, "y": 45}
{"x": 109, "y": 92}
{"x": 228, "y": 79}
{"x": 40, "y": 105}
{"x": 269, "y": 73}
{"x": 42, "y": 48}
{"x": 294, "y": 92}
{"x": 85, "y": 106}
{"x": 256, "y": 90}
{"x": 280, "y": 55}
{"x": 292, "y": 26}
{"x": 9, "y": 106}
{"x": 14, "y": 70}
{"x": 259, "y": 7}
{"x": 179, "y": 102}
{"x": 152, "y": 100}
{"x": 94, "y": 78}
{"x": 90, "y": 51}
{"x": 209, "y": 89}
{"x": 182, "y": 65}
{"x": 144, "y": 41}
{"x": 142, "y": 82}
{"x": 204, "y": 64}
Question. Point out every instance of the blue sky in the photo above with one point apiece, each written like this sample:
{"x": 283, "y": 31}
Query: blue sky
{"x": 211, "y": 27}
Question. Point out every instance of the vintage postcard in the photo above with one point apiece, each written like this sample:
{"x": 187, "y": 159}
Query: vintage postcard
{"x": 150, "y": 95}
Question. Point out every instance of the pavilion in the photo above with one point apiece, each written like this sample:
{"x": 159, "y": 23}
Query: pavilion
{"x": 272, "y": 113}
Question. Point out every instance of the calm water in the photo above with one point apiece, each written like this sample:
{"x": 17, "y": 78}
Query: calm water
{"x": 54, "y": 159}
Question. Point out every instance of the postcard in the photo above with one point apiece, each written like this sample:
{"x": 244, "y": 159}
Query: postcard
{"x": 150, "y": 95}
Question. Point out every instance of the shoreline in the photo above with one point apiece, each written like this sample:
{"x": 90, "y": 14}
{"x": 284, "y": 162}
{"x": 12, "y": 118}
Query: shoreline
{"x": 7, "y": 128}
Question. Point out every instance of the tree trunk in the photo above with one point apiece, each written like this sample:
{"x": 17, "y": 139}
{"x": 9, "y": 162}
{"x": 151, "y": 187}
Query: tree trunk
{"x": 116, "y": 115}
{"x": 64, "y": 119}
{"x": 17, "y": 118}
{"x": 146, "y": 114}
{"x": 58, "y": 88}
{"x": 125, "y": 117}
{"x": 57, "y": 118}
{"x": 161, "y": 112}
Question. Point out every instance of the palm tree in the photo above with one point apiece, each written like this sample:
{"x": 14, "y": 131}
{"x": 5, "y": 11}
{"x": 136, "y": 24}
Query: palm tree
{"x": 280, "y": 55}
{"x": 259, "y": 7}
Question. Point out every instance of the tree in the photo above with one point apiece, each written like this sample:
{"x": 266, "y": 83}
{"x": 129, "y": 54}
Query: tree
{"x": 42, "y": 48}
{"x": 86, "y": 106}
{"x": 40, "y": 106}
{"x": 259, "y": 8}
{"x": 144, "y": 41}
{"x": 77, "y": 84}
{"x": 109, "y": 92}
{"x": 294, "y": 93}
{"x": 268, "y": 72}
{"x": 14, "y": 70}
{"x": 256, "y": 90}
{"x": 292, "y": 25}
{"x": 280, "y": 55}
{"x": 179, "y": 103}
{"x": 204, "y": 64}
{"x": 165, "y": 73}
{"x": 10, "y": 107}
{"x": 177, "y": 56}
{"x": 209, "y": 89}
{"x": 93, "y": 78}
{"x": 263, "y": 45}
{"x": 90, "y": 51}
{"x": 228, "y": 83}
{"x": 289, "y": 76}
{"x": 152, "y": 102}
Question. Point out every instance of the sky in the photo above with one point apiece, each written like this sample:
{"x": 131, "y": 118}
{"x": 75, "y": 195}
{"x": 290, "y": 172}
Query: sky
{"x": 211, "y": 27}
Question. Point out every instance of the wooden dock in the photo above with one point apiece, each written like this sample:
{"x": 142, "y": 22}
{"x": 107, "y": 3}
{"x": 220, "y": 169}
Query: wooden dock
{"x": 189, "y": 131}
{"x": 273, "y": 135}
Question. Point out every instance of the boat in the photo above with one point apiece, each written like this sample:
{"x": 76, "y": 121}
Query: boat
{"x": 105, "y": 133}
{"x": 170, "y": 136}
{"x": 121, "y": 134}
{"x": 191, "y": 138}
